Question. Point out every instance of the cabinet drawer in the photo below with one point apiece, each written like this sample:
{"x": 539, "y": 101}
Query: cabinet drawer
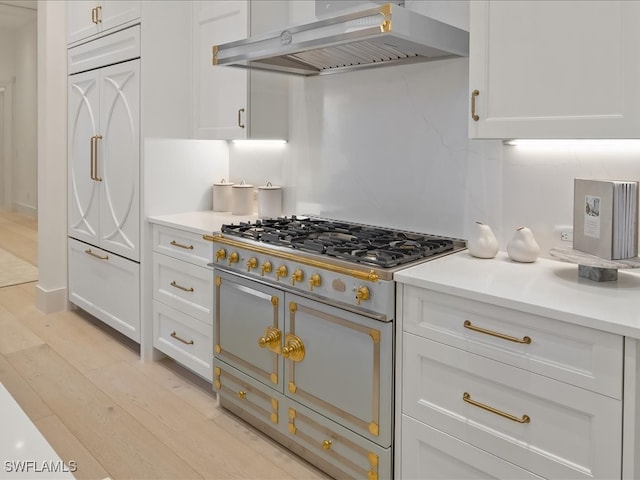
{"x": 182, "y": 245}
{"x": 581, "y": 356}
{"x": 183, "y": 338}
{"x": 115, "y": 48}
{"x": 183, "y": 286}
{"x": 570, "y": 432}
{"x": 105, "y": 285}
{"x": 428, "y": 453}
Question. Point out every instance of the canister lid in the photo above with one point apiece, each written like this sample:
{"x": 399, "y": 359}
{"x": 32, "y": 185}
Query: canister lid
{"x": 223, "y": 182}
{"x": 242, "y": 185}
{"x": 268, "y": 186}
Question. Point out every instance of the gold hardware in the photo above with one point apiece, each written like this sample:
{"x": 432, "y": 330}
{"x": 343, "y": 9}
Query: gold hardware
{"x": 94, "y": 158}
{"x": 293, "y": 349}
{"x": 218, "y": 385}
{"x": 374, "y": 429}
{"x": 274, "y": 300}
{"x": 266, "y": 267}
{"x": 100, "y": 257}
{"x": 282, "y": 271}
{"x": 474, "y": 115}
{"x": 214, "y": 52}
{"x": 234, "y": 257}
{"x": 217, "y": 348}
{"x": 297, "y": 276}
{"x": 98, "y": 16}
{"x": 93, "y": 16}
{"x": 292, "y": 387}
{"x": 185, "y": 289}
{"x": 218, "y": 371}
{"x": 274, "y": 417}
{"x": 271, "y": 339}
{"x": 252, "y": 263}
{"x": 218, "y": 281}
{"x": 467, "y": 398}
{"x": 175, "y": 335}
{"x": 369, "y": 275}
{"x": 362, "y": 293}
{"x": 242, "y": 394}
{"x": 375, "y": 335}
{"x": 314, "y": 281}
{"x": 292, "y": 428}
{"x": 274, "y": 378}
{"x": 274, "y": 407}
{"x": 221, "y": 254}
{"x": 293, "y": 306}
{"x": 326, "y": 444}
{"x": 240, "y": 112}
{"x": 525, "y": 339}
{"x": 373, "y": 459}
{"x": 208, "y": 238}
{"x": 274, "y": 404}
{"x": 176, "y": 244}
{"x": 292, "y": 419}
{"x": 372, "y": 475}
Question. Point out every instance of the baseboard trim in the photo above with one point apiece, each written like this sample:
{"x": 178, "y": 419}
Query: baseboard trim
{"x": 25, "y": 209}
{"x": 50, "y": 301}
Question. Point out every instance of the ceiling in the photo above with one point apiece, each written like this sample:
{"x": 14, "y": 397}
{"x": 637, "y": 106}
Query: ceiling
{"x": 15, "y": 14}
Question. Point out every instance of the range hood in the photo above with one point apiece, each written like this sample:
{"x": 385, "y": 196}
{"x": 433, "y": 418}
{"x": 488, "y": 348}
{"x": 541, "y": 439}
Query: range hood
{"x": 376, "y": 36}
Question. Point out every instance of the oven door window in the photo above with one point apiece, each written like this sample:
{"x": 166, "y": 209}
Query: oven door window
{"x": 248, "y": 326}
{"x": 345, "y": 366}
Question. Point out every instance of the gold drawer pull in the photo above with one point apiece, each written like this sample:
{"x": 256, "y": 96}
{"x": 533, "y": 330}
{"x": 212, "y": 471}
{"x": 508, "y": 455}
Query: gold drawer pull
{"x": 186, "y": 342}
{"x": 326, "y": 444}
{"x": 242, "y": 394}
{"x": 467, "y": 324}
{"x": 467, "y": 398}
{"x": 101, "y": 257}
{"x": 186, "y": 289}
{"x": 186, "y": 247}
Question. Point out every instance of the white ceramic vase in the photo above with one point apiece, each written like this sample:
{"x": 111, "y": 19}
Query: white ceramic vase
{"x": 523, "y": 246}
{"x": 482, "y": 242}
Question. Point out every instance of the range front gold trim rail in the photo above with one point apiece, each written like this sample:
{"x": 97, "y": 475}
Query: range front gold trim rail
{"x": 186, "y": 342}
{"x": 180, "y": 287}
{"x": 100, "y": 257}
{"x": 370, "y": 275}
{"x": 525, "y": 339}
{"x": 180, "y": 245}
{"x": 467, "y": 398}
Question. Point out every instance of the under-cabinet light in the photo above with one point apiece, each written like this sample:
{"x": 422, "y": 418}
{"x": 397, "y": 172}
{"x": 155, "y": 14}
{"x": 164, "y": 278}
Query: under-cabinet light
{"x": 588, "y": 144}
{"x": 259, "y": 143}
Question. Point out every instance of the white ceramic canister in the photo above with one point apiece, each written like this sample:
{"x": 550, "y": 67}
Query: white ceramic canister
{"x": 269, "y": 201}
{"x": 222, "y": 196}
{"x": 242, "y": 199}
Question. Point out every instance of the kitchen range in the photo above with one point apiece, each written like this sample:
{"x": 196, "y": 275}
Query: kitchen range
{"x": 304, "y": 336}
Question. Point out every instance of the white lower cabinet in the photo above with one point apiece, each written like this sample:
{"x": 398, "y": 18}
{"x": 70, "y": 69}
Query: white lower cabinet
{"x": 183, "y": 298}
{"x": 491, "y": 392}
{"x": 105, "y": 285}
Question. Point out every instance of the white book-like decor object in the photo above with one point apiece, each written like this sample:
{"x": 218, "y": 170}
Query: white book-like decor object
{"x": 605, "y": 218}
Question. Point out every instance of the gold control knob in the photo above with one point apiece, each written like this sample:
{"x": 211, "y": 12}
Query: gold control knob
{"x": 271, "y": 338}
{"x": 326, "y": 444}
{"x": 221, "y": 254}
{"x": 252, "y": 263}
{"x": 281, "y": 272}
{"x": 233, "y": 258}
{"x": 242, "y": 394}
{"x": 362, "y": 293}
{"x": 266, "y": 267}
{"x": 314, "y": 281}
{"x": 294, "y": 348}
{"x": 297, "y": 276}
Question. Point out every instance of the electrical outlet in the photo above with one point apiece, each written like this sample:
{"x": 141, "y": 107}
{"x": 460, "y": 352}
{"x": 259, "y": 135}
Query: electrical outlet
{"x": 565, "y": 232}
{"x": 566, "y": 236}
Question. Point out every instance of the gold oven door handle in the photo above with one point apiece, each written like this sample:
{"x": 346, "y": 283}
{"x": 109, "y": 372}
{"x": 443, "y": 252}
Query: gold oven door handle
{"x": 525, "y": 339}
{"x": 467, "y": 398}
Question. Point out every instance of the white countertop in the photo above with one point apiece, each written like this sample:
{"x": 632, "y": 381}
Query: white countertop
{"x": 205, "y": 222}
{"x": 546, "y": 287}
{"x": 24, "y": 452}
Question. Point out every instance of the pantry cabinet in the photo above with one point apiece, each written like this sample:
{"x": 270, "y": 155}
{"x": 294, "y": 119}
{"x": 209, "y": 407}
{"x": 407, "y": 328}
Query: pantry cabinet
{"x": 234, "y": 103}
{"x": 86, "y": 18}
{"x": 563, "y": 69}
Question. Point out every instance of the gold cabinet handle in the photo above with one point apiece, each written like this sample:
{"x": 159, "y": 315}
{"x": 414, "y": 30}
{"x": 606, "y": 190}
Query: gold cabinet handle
{"x": 240, "y": 112}
{"x": 180, "y": 245}
{"x": 271, "y": 339}
{"x": 98, "y": 14}
{"x": 266, "y": 267}
{"x": 180, "y": 287}
{"x": 467, "y": 324}
{"x": 467, "y": 398}
{"x": 186, "y": 342}
{"x": 362, "y": 293}
{"x": 293, "y": 349}
{"x": 297, "y": 276}
{"x": 234, "y": 258}
{"x": 474, "y": 115}
{"x": 242, "y": 394}
{"x": 94, "y": 16}
{"x": 326, "y": 444}
{"x": 94, "y": 158}
{"x": 100, "y": 257}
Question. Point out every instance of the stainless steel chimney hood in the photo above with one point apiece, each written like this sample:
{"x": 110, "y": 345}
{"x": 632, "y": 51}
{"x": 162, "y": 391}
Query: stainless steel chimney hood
{"x": 377, "y": 36}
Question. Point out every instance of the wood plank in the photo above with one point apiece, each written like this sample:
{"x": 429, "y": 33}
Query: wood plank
{"x": 116, "y": 439}
{"x": 21, "y": 391}
{"x": 70, "y": 449}
{"x": 15, "y": 336}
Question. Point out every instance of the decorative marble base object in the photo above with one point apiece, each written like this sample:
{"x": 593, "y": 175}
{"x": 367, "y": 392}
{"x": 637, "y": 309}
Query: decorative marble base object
{"x": 592, "y": 267}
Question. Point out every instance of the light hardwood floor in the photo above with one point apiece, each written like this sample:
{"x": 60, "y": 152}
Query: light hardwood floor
{"x": 85, "y": 388}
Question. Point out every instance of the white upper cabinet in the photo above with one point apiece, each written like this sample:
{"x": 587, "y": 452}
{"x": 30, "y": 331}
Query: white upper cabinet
{"x": 562, "y": 69}
{"x": 88, "y": 18}
{"x": 233, "y": 103}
